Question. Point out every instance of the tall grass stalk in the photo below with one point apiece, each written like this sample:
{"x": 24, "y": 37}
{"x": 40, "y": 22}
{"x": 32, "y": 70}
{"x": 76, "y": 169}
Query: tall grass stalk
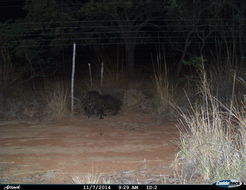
{"x": 211, "y": 146}
{"x": 164, "y": 90}
{"x": 222, "y": 82}
{"x": 57, "y": 102}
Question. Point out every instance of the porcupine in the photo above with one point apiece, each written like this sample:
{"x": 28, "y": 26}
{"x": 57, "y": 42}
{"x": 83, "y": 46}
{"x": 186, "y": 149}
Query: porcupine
{"x": 100, "y": 105}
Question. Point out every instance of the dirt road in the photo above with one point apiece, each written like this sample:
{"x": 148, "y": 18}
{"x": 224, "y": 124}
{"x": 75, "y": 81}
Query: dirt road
{"x": 127, "y": 148}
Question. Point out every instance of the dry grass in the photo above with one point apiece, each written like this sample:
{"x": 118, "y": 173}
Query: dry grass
{"x": 163, "y": 88}
{"x": 56, "y": 101}
{"x": 113, "y": 77}
{"x": 221, "y": 79}
{"x": 140, "y": 176}
{"x": 87, "y": 179}
{"x": 212, "y": 143}
{"x": 90, "y": 178}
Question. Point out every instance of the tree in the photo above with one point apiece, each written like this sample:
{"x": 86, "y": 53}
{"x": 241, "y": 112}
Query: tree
{"x": 38, "y": 35}
{"x": 189, "y": 23}
{"x": 218, "y": 23}
{"x": 125, "y": 18}
{"x": 237, "y": 19}
{"x": 46, "y": 21}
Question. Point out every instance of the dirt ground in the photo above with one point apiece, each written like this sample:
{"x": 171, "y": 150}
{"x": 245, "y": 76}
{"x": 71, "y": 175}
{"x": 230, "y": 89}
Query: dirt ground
{"x": 127, "y": 148}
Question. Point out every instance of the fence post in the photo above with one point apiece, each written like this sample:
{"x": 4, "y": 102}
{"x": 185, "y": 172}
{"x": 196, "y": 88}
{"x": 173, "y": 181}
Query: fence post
{"x": 72, "y": 78}
{"x": 102, "y": 70}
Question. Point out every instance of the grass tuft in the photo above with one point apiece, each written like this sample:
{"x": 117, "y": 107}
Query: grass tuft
{"x": 57, "y": 102}
{"x": 212, "y": 143}
{"x": 163, "y": 99}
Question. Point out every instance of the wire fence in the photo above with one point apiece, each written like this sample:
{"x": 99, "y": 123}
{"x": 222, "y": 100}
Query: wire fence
{"x": 112, "y": 37}
{"x": 111, "y": 32}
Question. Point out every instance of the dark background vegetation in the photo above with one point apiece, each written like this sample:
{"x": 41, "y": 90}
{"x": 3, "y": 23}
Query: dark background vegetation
{"x": 163, "y": 42}
{"x": 38, "y": 35}
{"x": 179, "y": 58}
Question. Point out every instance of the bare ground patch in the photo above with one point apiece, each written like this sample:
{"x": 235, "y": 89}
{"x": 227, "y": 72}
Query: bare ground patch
{"x": 128, "y": 148}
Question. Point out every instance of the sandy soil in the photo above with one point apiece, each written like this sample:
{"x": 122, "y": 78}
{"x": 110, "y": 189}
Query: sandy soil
{"x": 128, "y": 148}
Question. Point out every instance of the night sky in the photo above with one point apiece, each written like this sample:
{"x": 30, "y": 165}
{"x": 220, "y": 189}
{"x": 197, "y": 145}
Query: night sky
{"x": 11, "y": 9}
